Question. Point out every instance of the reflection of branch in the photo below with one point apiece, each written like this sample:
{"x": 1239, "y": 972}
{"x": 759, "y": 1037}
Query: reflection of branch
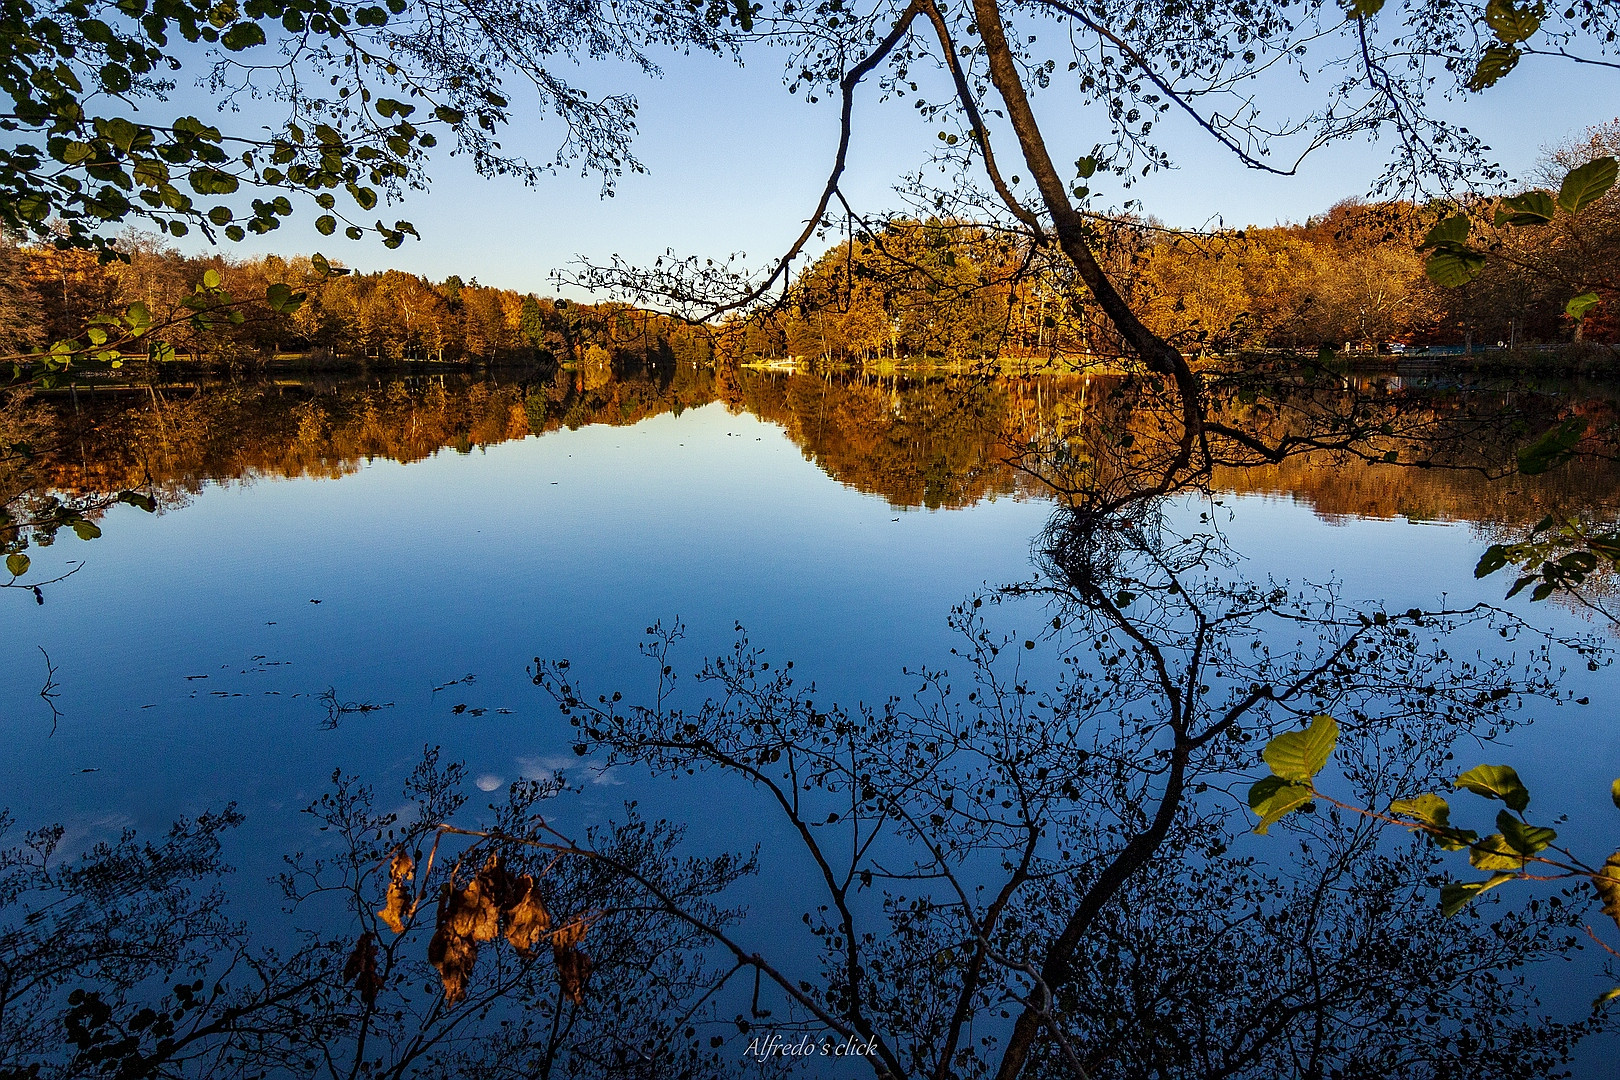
{"x": 39, "y": 597}
{"x": 336, "y": 709}
{"x": 51, "y": 690}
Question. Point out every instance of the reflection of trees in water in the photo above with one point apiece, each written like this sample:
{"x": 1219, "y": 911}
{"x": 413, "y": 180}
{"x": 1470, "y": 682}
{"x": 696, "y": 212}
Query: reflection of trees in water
{"x": 122, "y": 963}
{"x": 941, "y": 441}
{"x": 1034, "y": 863}
{"x": 1007, "y": 871}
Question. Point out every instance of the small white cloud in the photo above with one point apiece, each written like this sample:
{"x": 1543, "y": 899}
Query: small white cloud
{"x": 540, "y": 767}
{"x": 488, "y": 782}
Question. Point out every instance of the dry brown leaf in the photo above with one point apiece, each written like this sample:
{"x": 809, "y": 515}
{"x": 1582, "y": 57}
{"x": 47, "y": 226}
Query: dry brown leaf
{"x": 454, "y": 957}
{"x": 362, "y": 968}
{"x": 399, "y": 872}
{"x": 573, "y": 971}
{"x": 1607, "y": 883}
{"x": 566, "y": 937}
{"x": 472, "y": 912}
{"x": 527, "y": 920}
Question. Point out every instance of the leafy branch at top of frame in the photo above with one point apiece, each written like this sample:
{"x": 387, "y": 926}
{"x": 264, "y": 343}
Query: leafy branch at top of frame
{"x": 369, "y": 89}
{"x": 70, "y": 172}
{"x": 1519, "y": 850}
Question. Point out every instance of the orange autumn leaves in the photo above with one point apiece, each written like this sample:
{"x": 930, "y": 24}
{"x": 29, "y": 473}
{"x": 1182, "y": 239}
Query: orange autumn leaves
{"x": 494, "y": 903}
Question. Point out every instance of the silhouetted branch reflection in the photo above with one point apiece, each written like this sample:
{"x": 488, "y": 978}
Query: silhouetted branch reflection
{"x": 1033, "y": 863}
{"x": 985, "y": 847}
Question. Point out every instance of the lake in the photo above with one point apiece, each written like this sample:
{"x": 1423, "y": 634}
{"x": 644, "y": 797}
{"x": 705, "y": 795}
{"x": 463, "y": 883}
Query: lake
{"x": 343, "y": 572}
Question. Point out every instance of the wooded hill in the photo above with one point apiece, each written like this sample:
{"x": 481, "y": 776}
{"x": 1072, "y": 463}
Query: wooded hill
{"x": 1351, "y": 278}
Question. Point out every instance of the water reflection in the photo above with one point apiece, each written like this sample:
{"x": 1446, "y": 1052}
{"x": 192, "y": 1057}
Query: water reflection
{"x": 1034, "y": 861}
{"x": 942, "y": 441}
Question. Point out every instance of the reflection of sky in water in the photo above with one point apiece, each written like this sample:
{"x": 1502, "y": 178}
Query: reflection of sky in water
{"x": 191, "y": 654}
{"x": 566, "y": 545}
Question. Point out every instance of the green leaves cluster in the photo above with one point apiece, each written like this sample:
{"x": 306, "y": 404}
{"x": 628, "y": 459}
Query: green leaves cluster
{"x": 1511, "y": 24}
{"x": 1505, "y": 853}
{"x": 1454, "y": 261}
{"x": 1297, "y": 757}
{"x": 68, "y": 173}
{"x": 1559, "y": 555}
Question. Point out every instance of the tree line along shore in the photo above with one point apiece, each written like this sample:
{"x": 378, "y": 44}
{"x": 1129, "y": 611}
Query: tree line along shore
{"x": 1349, "y": 282}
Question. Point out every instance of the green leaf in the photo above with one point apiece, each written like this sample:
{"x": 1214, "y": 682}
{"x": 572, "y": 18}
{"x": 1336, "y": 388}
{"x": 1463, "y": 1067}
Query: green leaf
{"x": 1494, "y": 559}
{"x": 1452, "y": 267}
{"x": 1578, "y": 306}
{"x": 1451, "y": 230}
{"x": 1586, "y": 184}
{"x": 210, "y": 279}
{"x": 1497, "y": 62}
{"x": 1531, "y": 208}
{"x": 281, "y": 298}
{"x": 244, "y": 35}
{"x": 1456, "y": 895}
{"x": 75, "y": 152}
{"x": 137, "y": 318}
{"x": 136, "y": 499}
{"x": 1553, "y": 448}
{"x": 1454, "y": 839}
{"x": 1606, "y": 883}
{"x": 1523, "y": 838}
{"x": 1614, "y": 792}
{"x": 17, "y": 564}
{"x": 326, "y": 224}
{"x": 1432, "y": 810}
{"x": 1273, "y": 798}
{"x": 85, "y": 530}
{"x": 1510, "y": 23}
{"x": 121, "y": 132}
{"x": 1495, "y": 782}
{"x": 1300, "y": 755}
{"x": 1428, "y": 808}
{"x": 212, "y": 182}
{"x": 1087, "y": 167}
{"x": 1495, "y": 853}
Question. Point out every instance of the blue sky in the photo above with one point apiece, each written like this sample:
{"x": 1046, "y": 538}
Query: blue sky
{"x": 735, "y": 164}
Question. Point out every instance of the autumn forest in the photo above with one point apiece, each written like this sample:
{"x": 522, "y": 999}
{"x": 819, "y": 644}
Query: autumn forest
{"x": 1350, "y": 279}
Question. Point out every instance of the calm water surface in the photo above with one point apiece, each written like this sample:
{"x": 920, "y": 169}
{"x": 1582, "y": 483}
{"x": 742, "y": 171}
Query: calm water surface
{"x": 416, "y": 546}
